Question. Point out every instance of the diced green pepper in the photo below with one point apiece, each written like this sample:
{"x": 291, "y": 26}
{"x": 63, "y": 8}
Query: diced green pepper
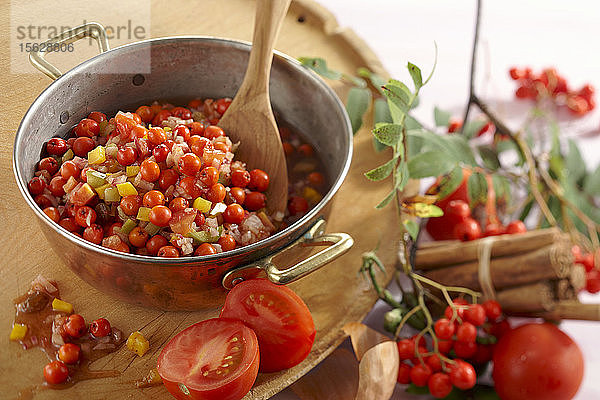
{"x": 151, "y": 229}
{"x": 128, "y": 226}
{"x": 68, "y": 155}
{"x": 204, "y": 237}
{"x": 95, "y": 178}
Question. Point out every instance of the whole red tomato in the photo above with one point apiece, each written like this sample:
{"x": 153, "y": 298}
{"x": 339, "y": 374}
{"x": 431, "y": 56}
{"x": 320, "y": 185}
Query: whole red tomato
{"x": 537, "y": 361}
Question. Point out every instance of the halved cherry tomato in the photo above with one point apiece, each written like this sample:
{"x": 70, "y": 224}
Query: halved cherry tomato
{"x": 213, "y": 359}
{"x": 281, "y": 320}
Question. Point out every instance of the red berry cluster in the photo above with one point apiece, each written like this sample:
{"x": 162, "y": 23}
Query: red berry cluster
{"x": 592, "y": 273}
{"x": 73, "y": 328}
{"x": 550, "y": 84}
{"x": 467, "y": 228}
{"x": 456, "y": 124}
{"x": 457, "y": 335}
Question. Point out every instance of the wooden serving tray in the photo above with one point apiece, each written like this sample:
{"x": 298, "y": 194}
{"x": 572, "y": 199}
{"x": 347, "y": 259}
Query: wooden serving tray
{"x": 336, "y": 294}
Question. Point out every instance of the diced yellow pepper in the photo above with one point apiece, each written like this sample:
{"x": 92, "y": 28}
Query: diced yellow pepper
{"x": 127, "y": 189}
{"x": 137, "y": 343}
{"x": 202, "y": 205}
{"x": 18, "y": 332}
{"x": 97, "y": 156}
{"x": 111, "y": 194}
{"x": 62, "y": 306}
{"x": 143, "y": 214}
{"x": 132, "y": 170}
{"x": 100, "y": 190}
{"x": 311, "y": 195}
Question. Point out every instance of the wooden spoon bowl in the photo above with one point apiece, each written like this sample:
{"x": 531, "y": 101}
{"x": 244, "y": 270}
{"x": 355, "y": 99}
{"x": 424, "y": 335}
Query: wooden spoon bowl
{"x": 249, "y": 119}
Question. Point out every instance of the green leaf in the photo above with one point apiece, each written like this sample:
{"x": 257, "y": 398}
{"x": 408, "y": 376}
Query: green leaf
{"x": 431, "y": 163}
{"x": 398, "y": 97}
{"x": 429, "y": 140}
{"x": 415, "y": 74}
{"x": 414, "y": 145}
{"x": 471, "y": 128}
{"x": 402, "y": 175}
{"x": 501, "y": 187}
{"x": 458, "y": 146}
{"x": 383, "y": 171}
{"x": 506, "y": 145}
{"x": 591, "y": 184}
{"x": 412, "y": 228}
{"x": 411, "y": 123}
{"x": 388, "y": 134}
{"x": 358, "y": 82}
{"x": 423, "y": 210}
{"x": 489, "y": 157}
{"x": 381, "y": 113}
{"x": 442, "y": 118}
{"x": 387, "y": 199}
{"x": 356, "y": 106}
{"x": 526, "y": 210}
{"x": 401, "y": 86}
{"x": 575, "y": 165}
{"x": 485, "y": 392}
{"x": 319, "y": 65}
{"x": 414, "y": 389}
{"x": 377, "y": 81}
{"x": 477, "y": 188}
{"x": 450, "y": 182}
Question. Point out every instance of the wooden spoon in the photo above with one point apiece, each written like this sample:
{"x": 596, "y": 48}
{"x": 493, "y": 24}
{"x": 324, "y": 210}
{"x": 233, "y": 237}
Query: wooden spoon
{"x": 249, "y": 119}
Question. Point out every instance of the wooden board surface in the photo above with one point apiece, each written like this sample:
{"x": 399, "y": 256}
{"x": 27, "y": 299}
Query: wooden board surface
{"x": 336, "y": 294}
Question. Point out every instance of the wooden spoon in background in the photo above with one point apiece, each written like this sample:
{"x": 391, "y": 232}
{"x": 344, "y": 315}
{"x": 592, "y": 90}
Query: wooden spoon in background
{"x": 249, "y": 119}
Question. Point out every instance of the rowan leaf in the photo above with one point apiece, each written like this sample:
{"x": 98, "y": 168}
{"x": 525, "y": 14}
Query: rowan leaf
{"x": 388, "y": 134}
{"x": 381, "y": 172}
{"x": 415, "y": 74}
{"x": 489, "y": 157}
{"x": 319, "y": 65}
{"x": 381, "y": 114}
{"x": 442, "y": 118}
{"x": 450, "y": 182}
{"x": 477, "y": 188}
{"x": 412, "y": 228}
{"x": 356, "y": 105}
{"x": 431, "y": 163}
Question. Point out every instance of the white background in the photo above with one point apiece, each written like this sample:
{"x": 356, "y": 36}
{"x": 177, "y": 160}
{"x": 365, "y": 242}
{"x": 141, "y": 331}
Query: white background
{"x": 539, "y": 34}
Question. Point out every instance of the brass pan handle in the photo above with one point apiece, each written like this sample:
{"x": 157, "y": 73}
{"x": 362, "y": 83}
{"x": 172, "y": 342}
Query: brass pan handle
{"x": 92, "y": 29}
{"x": 337, "y": 244}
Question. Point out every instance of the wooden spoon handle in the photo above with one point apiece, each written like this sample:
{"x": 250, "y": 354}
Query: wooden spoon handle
{"x": 267, "y": 23}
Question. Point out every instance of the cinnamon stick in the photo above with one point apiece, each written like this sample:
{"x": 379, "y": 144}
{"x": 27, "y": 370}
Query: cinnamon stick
{"x": 572, "y": 310}
{"x": 537, "y": 297}
{"x": 577, "y": 277}
{"x": 563, "y": 290}
{"x": 454, "y": 252}
{"x": 550, "y": 262}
